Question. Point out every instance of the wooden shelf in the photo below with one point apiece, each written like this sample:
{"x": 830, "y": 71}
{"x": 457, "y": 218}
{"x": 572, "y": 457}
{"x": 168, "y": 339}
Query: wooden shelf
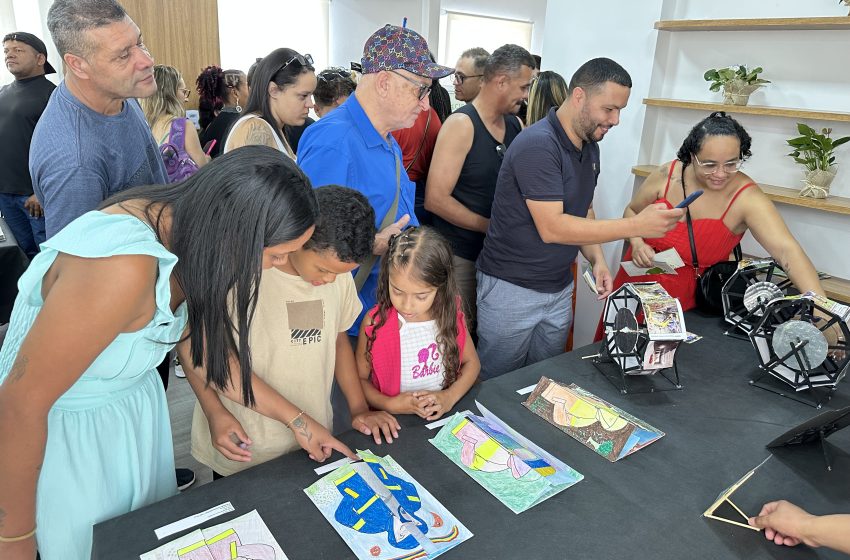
{"x": 749, "y": 109}
{"x": 837, "y": 288}
{"x": 761, "y": 24}
{"x": 782, "y": 195}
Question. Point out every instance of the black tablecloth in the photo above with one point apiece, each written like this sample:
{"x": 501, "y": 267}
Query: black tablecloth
{"x": 647, "y": 505}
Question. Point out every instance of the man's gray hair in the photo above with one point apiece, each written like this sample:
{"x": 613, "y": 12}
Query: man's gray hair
{"x": 68, "y": 20}
{"x": 507, "y": 59}
{"x": 479, "y": 58}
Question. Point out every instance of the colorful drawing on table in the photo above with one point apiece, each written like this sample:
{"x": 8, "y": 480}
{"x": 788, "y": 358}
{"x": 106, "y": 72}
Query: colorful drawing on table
{"x": 382, "y": 513}
{"x": 516, "y": 471}
{"x": 243, "y": 538}
{"x": 600, "y": 426}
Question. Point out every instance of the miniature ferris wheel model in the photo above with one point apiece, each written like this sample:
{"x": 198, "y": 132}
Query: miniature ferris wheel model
{"x": 643, "y": 328}
{"x": 750, "y": 289}
{"x": 801, "y": 340}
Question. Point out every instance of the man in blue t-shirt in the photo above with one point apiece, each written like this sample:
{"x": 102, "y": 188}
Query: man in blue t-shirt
{"x": 352, "y": 146}
{"x": 542, "y": 216}
{"x": 92, "y": 140}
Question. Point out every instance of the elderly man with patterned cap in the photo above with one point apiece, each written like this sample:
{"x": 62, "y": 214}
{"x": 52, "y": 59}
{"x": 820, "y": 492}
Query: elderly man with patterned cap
{"x": 352, "y": 146}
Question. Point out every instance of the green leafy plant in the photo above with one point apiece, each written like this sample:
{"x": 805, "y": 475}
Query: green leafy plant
{"x": 815, "y": 150}
{"x": 737, "y": 76}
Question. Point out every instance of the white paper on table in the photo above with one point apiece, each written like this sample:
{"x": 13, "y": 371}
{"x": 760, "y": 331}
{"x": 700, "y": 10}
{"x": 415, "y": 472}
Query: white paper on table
{"x": 667, "y": 261}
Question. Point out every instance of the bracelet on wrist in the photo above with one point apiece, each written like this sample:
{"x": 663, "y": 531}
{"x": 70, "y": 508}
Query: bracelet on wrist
{"x": 23, "y": 537}
{"x": 289, "y": 424}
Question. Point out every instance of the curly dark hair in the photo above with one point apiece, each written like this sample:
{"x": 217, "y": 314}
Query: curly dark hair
{"x": 507, "y": 59}
{"x": 716, "y": 124}
{"x": 428, "y": 257}
{"x": 215, "y": 88}
{"x": 346, "y": 224}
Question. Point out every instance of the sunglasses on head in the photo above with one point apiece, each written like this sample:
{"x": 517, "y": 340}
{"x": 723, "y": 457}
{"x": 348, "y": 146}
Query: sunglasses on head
{"x": 303, "y": 60}
{"x": 334, "y": 74}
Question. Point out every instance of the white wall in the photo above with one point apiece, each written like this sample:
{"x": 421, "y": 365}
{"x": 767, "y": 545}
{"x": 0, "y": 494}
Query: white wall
{"x": 527, "y": 10}
{"x": 623, "y": 31}
{"x": 352, "y": 21}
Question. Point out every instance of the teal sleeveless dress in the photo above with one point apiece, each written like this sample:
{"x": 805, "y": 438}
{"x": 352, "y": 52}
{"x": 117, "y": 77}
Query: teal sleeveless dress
{"x": 109, "y": 449}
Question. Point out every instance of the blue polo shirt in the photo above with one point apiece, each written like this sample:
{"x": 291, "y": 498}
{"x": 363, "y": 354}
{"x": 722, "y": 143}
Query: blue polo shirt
{"x": 344, "y": 148}
{"x": 541, "y": 164}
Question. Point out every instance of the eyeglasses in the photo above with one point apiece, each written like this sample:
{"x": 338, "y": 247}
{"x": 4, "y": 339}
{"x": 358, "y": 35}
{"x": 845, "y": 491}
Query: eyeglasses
{"x": 423, "y": 89}
{"x": 500, "y": 150}
{"x": 305, "y": 60}
{"x": 458, "y": 78}
{"x": 730, "y": 167}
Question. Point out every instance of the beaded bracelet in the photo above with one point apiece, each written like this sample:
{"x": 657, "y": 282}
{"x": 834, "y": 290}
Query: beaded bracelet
{"x": 289, "y": 424}
{"x": 18, "y": 538}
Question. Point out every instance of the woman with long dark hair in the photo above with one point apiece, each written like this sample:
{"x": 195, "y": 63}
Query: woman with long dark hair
{"x": 281, "y": 95}
{"x": 84, "y": 428}
{"x": 222, "y": 95}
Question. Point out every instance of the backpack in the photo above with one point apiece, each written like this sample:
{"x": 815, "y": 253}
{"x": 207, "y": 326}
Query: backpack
{"x": 172, "y": 148}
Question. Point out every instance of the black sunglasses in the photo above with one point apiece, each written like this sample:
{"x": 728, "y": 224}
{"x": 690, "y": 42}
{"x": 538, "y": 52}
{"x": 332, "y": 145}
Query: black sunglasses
{"x": 334, "y": 74}
{"x": 305, "y": 60}
{"x": 500, "y": 150}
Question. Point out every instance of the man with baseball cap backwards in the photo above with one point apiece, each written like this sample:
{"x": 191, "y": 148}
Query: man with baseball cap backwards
{"x": 21, "y": 104}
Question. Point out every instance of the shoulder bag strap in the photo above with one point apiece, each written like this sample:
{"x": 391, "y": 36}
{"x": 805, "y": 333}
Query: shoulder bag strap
{"x": 694, "y": 259}
{"x": 421, "y": 143}
{"x": 389, "y": 218}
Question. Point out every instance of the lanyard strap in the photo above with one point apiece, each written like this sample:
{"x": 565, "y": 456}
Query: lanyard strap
{"x": 389, "y": 218}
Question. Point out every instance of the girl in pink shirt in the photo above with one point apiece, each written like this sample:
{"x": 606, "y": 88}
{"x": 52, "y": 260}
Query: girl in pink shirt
{"x": 415, "y": 354}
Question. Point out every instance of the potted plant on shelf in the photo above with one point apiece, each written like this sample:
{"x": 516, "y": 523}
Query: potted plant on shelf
{"x": 816, "y": 152}
{"x": 736, "y": 81}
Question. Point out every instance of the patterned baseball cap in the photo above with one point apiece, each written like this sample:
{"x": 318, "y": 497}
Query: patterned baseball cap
{"x": 392, "y": 47}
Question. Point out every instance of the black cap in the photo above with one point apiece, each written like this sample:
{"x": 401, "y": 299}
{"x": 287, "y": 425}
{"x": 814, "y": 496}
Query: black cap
{"x": 35, "y": 43}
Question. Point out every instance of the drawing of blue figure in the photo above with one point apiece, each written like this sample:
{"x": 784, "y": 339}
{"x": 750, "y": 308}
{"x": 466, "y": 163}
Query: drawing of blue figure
{"x": 364, "y": 511}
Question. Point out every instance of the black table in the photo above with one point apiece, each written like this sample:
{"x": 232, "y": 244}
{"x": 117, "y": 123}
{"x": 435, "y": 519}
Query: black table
{"x": 647, "y": 505}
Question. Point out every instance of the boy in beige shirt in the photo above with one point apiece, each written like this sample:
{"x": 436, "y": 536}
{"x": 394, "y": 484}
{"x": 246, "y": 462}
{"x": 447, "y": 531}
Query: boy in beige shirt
{"x": 298, "y": 346}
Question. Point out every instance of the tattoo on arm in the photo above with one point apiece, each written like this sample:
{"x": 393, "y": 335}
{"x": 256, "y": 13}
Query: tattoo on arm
{"x": 301, "y": 425}
{"x": 19, "y": 368}
{"x": 259, "y": 134}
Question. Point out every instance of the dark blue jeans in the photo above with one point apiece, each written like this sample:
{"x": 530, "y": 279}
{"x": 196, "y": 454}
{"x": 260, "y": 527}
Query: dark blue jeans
{"x": 27, "y": 230}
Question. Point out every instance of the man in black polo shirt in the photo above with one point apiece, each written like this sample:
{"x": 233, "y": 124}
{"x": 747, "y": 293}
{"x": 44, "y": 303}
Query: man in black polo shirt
{"x": 542, "y": 216}
{"x": 21, "y": 104}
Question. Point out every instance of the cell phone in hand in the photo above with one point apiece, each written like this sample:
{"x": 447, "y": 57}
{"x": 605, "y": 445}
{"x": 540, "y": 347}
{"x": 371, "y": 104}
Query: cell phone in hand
{"x": 209, "y": 146}
{"x": 690, "y": 198}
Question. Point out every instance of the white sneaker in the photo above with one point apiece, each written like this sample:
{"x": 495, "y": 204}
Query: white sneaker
{"x": 178, "y": 372}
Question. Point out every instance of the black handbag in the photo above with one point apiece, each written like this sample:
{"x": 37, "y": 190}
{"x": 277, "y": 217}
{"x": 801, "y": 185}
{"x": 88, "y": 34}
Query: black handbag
{"x": 710, "y": 284}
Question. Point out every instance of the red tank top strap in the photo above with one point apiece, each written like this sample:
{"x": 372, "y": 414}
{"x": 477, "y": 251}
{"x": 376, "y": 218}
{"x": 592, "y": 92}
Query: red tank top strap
{"x": 669, "y": 175}
{"x": 734, "y": 197}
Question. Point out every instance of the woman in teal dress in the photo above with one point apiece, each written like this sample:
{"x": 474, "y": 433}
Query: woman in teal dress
{"x": 84, "y": 427}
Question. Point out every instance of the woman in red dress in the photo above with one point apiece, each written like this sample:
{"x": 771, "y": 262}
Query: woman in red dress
{"x": 732, "y": 203}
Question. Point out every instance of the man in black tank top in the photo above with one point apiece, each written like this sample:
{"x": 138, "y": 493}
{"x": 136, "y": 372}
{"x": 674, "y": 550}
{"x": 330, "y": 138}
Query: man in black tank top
{"x": 467, "y": 158}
